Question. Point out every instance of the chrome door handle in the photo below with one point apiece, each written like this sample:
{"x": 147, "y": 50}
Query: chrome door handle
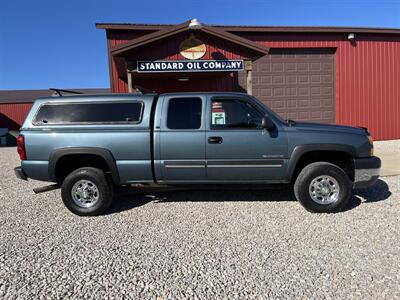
{"x": 215, "y": 140}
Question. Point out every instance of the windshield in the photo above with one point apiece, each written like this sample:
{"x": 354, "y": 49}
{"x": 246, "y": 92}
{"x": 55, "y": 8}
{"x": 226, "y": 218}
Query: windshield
{"x": 270, "y": 111}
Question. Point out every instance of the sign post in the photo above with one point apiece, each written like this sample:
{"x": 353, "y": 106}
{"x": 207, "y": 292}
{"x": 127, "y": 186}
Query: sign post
{"x": 130, "y": 81}
{"x": 249, "y": 83}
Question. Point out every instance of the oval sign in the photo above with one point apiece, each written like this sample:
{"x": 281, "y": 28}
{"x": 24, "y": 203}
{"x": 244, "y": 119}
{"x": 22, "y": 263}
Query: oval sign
{"x": 192, "y": 48}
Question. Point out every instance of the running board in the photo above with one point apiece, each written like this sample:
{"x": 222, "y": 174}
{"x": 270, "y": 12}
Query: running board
{"x": 46, "y": 188}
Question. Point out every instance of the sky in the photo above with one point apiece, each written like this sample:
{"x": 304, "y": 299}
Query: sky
{"x": 54, "y": 43}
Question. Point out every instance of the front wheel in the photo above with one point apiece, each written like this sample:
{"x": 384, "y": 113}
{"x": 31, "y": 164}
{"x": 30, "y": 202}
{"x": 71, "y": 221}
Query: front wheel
{"x": 323, "y": 187}
{"x": 87, "y": 192}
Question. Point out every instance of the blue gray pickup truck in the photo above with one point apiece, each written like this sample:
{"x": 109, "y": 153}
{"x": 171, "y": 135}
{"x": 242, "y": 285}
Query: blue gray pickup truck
{"x": 87, "y": 144}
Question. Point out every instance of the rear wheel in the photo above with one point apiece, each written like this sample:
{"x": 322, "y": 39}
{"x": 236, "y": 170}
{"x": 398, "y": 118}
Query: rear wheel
{"x": 87, "y": 192}
{"x": 323, "y": 187}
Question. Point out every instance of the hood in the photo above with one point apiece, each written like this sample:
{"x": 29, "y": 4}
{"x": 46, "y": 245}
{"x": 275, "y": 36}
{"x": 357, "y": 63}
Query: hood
{"x": 329, "y": 127}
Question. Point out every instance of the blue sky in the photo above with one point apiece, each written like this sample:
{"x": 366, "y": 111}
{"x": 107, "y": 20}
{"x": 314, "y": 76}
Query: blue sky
{"x": 54, "y": 43}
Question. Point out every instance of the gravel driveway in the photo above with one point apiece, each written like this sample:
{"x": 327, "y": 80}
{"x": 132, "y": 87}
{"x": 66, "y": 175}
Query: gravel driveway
{"x": 198, "y": 244}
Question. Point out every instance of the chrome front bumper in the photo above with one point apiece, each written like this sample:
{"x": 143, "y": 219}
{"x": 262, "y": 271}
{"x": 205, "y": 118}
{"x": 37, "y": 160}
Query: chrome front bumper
{"x": 367, "y": 171}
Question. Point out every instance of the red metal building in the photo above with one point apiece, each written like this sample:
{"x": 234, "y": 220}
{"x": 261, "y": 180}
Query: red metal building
{"x": 340, "y": 75}
{"x": 325, "y": 74}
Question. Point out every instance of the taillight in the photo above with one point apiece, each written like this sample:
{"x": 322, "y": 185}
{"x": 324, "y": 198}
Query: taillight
{"x": 21, "y": 147}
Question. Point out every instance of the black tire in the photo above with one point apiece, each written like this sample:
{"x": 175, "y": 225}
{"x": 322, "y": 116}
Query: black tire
{"x": 101, "y": 192}
{"x": 303, "y": 188}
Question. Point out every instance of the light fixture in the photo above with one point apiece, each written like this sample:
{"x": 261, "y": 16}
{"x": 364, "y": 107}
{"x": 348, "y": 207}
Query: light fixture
{"x": 194, "y": 24}
{"x": 183, "y": 79}
{"x": 351, "y": 36}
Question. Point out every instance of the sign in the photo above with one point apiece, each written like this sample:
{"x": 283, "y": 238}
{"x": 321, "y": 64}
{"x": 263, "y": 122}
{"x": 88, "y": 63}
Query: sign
{"x": 218, "y": 118}
{"x": 189, "y": 66}
{"x": 218, "y": 114}
{"x": 192, "y": 48}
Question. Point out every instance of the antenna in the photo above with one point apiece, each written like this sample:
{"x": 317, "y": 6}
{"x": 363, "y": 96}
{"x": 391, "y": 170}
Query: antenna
{"x": 60, "y": 91}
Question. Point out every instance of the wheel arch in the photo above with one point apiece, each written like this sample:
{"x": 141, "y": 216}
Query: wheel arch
{"x": 102, "y": 155}
{"x": 341, "y": 155}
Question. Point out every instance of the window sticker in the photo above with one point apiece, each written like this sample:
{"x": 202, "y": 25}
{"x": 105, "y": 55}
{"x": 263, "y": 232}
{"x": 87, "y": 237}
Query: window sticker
{"x": 218, "y": 114}
{"x": 218, "y": 118}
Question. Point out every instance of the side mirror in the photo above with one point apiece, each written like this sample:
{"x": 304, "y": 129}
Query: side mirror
{"x": 267, "y": 123}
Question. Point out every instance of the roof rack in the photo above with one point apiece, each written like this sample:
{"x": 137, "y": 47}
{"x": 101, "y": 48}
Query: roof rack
{"x": 60, "y": 91}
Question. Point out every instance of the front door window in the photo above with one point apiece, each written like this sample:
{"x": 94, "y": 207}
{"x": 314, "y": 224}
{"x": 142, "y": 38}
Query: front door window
{"x": 234, "y": 114}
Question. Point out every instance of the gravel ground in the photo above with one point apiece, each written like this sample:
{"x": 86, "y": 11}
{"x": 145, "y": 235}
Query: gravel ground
{"x": 198, "y": 244}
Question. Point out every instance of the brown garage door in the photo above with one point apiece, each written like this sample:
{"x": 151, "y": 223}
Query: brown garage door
{"x": 298, "y": 84}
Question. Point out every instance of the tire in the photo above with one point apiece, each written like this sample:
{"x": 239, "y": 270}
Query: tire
{"x": 323, "y": 187}
{"x": 87, "y": 192}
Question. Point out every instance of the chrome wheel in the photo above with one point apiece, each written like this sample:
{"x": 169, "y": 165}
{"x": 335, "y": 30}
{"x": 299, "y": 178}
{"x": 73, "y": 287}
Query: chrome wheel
{"x": 85, "y": 193}
{"x": 324, "y": 190}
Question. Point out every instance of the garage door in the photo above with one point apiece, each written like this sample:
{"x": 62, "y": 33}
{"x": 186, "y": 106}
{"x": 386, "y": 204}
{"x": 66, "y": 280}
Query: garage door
{"x": 298, "y": 84}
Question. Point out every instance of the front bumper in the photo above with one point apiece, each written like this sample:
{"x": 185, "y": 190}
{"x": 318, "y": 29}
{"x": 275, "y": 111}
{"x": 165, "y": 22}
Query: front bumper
{"x": 19, "y": 172}
{"x": 366, "y": 171}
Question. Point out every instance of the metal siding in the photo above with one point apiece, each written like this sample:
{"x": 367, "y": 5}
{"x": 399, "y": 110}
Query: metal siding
{"x": 367, "y": 77}
{"x": 119, "y": 85}
{"x": 119, "y": 37}
{"x": 12, "y": 115}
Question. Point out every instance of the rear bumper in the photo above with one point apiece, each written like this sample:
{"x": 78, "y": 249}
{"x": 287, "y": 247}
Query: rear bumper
{"x": 19, "y": 172}
{"x": 366, "y": 171}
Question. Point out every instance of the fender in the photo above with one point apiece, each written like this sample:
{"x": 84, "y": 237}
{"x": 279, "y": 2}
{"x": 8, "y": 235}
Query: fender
{"x": 299, "y": 150}
{"x": 104, "y": 153}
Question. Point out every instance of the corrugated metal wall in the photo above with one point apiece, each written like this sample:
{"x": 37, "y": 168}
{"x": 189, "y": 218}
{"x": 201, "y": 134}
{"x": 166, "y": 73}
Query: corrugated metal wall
{"x": 114, "y": 38}
{"x": 367, "y": 77}
{"x": 12, "y": 115}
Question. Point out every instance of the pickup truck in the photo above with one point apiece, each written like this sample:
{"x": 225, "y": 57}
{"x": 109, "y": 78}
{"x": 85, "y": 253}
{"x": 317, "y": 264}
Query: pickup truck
{"x": 87, "y": 144}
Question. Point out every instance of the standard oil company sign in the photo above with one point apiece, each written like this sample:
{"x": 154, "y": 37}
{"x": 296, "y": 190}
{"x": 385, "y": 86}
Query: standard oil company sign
{"x": 189, "y": 66}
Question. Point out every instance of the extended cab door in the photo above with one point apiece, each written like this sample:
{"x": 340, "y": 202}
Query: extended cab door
{"x": 181, "y": 139}
{"x": 238, "y": 149}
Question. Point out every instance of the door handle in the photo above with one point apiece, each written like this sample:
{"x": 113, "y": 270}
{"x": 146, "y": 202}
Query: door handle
{"x": 215, "y": 140}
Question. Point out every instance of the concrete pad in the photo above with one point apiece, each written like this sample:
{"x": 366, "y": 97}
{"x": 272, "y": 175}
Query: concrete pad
{"x": 389, "y": 153}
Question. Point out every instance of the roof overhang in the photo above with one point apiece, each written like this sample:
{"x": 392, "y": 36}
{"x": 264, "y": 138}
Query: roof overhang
{"x": 275, "y": 29}
{"x": 251, "y": 46}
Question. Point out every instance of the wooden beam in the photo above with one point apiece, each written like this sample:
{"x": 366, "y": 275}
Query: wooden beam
{"x": 130, "y": 81}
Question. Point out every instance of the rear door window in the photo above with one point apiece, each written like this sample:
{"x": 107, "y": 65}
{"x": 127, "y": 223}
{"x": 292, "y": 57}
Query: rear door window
{"x": 84, "y": 113}
{"x": 184, "y": 113}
